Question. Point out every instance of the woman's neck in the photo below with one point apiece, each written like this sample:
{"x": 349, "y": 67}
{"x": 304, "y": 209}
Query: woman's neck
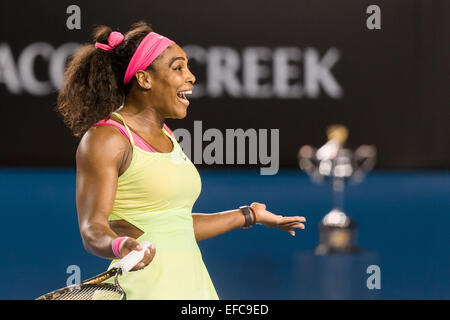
{"x": 141, "y": 117}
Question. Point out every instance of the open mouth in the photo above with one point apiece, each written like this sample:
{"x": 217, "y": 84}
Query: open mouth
{"x": 182, "y": 97}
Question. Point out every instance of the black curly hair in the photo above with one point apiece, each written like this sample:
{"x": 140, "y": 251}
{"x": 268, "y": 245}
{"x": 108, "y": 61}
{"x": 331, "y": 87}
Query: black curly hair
{"x": 93, "y": 82}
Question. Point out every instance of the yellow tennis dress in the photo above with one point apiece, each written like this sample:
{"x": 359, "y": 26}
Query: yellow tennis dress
{"x": 156, "y": 194}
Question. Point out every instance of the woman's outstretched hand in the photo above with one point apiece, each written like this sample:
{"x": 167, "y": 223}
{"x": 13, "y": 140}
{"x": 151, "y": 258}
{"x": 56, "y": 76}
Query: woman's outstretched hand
{"x": 271, "y": 220}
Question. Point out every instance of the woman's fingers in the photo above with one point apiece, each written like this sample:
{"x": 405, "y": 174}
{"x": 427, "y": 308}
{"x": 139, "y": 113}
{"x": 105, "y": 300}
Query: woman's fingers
{"x": 293, "y": 219}
{"x": 291, "y": 229}
{"x": 272, "y": 220}
{"x": 281, "y": 221}
{"x": 148, "y": 257}
{"x": 131, "y": 244}
{"x": 289, "y": 223}
{"x": 295, "y": 225}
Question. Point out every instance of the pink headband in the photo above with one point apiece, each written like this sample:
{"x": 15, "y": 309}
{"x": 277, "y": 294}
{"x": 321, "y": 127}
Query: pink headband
{"x": 114, "y": 39}
{"x": 148, "y": 50}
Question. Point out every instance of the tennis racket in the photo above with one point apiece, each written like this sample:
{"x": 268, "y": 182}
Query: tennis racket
{"x": 94, "y": 288}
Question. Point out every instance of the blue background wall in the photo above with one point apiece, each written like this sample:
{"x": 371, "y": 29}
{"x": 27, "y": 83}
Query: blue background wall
{"x": 403, "y": 222}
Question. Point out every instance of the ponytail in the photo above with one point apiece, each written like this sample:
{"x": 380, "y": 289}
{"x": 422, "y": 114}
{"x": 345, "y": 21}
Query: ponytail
{"x": 93, "y": 81}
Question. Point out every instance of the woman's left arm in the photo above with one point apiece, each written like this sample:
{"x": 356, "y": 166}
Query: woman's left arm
{"x": 211, "y": 225}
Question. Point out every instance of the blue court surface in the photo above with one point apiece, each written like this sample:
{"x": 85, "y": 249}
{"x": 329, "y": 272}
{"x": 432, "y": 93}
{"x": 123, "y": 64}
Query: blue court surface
{"x": 403, "y": 219}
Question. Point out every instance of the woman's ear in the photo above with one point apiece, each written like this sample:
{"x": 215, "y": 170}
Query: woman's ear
{"x": 144, "y": 79}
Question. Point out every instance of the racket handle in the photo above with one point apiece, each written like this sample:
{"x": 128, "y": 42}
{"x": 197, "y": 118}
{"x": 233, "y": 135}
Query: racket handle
{"x": 131, "y": 259}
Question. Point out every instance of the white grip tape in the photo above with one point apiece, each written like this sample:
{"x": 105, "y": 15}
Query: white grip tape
{"x": 133, "y": 258}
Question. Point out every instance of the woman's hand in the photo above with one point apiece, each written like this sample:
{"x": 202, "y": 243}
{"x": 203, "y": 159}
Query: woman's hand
{"x": 271, "y": 220}
{"x": 131, "y": 244}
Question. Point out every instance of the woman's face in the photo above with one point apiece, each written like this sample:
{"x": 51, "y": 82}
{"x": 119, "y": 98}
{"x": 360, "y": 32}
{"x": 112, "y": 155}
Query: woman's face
{"x": 171, "y": 83}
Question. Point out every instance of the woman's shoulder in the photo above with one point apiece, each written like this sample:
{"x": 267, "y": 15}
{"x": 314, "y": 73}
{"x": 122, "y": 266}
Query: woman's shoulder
{"x": 102, "y": 143}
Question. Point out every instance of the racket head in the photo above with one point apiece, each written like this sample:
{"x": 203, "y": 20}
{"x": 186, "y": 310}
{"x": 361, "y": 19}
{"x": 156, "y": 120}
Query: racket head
{"x": 91, "y": 289}
{"x": 102, "y": 291}
{"x": 94, "y": 288}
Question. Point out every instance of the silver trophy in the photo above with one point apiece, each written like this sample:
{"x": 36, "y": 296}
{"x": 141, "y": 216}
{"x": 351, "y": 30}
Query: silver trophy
{"x": 336, "y": 164}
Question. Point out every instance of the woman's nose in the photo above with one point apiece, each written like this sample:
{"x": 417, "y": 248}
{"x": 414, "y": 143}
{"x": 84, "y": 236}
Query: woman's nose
{"x": 190, "y": 77}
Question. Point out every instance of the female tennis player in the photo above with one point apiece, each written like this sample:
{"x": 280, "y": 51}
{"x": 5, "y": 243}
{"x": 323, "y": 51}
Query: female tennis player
{"x": 134, "y": 182}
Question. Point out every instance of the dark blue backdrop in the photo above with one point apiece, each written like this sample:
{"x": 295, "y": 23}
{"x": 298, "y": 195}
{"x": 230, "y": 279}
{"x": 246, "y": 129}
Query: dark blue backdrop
{"x": 403, "y": 225}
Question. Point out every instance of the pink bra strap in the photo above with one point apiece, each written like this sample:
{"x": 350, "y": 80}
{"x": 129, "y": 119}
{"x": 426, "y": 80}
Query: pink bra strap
{"x": 138, "y": 141}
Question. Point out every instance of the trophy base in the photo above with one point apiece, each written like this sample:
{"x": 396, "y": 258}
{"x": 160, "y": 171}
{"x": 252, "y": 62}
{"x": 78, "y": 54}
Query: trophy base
{"x": 323, "y": 249}
{"x": 337, "y": 238}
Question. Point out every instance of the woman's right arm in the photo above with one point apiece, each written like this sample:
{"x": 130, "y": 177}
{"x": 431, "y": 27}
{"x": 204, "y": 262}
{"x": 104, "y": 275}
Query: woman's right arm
{"x": 99, "y": 157}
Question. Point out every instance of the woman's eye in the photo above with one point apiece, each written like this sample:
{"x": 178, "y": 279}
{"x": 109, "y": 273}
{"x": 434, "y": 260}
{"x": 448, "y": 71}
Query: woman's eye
{"x": 177, "y": 68}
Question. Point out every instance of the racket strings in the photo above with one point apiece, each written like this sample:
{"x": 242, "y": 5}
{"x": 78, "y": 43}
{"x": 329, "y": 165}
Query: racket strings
{"x": 90, "y": 292}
